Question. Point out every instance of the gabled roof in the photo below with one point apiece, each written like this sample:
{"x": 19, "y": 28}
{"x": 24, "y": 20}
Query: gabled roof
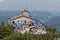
{"x": 25, "y": 17}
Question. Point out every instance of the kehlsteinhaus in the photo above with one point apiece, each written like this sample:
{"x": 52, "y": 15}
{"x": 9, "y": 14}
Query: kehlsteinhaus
{"x": 24, "y": 23}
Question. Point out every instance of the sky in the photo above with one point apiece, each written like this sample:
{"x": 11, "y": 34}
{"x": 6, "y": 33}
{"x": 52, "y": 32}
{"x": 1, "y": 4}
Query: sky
{"x": 30, "y": 4}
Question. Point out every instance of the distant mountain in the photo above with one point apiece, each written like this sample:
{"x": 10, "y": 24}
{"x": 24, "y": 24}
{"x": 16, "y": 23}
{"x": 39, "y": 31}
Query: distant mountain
{"x": 51, "y": 18}
{"x": 45, "y": 15}
{"x": 55, "y": 22}
{"x": 5, "y": 15}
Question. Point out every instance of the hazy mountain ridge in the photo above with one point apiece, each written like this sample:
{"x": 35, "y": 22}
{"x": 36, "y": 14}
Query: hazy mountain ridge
{"x": 45, "y": 16}
{"x": 51, "y": 18}
{"x": 55, "y": 23}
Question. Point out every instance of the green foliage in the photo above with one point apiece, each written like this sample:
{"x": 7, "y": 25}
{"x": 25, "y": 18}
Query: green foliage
{"x": 7, "y": 33}
{"x": 2, "y": 24}
{"x": 30, "y": 37}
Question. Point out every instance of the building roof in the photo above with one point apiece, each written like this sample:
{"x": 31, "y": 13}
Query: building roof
{"x": 25, "y": 17}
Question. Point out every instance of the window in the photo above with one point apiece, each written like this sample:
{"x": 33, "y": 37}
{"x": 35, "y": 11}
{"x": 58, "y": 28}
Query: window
{"x": 21, "y": 21}
{"x": 25, "y": 21}
{"x": 18, "y": 21}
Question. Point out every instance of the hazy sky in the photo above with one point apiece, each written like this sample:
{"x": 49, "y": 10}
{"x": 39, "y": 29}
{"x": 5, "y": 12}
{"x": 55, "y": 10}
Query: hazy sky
{"x": 32, "y": 4}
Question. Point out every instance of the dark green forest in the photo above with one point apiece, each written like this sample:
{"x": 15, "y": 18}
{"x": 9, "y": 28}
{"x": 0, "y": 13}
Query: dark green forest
{"x": 7, "y": 33}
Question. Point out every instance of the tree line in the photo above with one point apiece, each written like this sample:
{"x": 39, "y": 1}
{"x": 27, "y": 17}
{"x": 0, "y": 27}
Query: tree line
{"x": 7, "y": 33}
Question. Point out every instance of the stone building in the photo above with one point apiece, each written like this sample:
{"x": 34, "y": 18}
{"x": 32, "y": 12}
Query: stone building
{"x": 24, "y": 23}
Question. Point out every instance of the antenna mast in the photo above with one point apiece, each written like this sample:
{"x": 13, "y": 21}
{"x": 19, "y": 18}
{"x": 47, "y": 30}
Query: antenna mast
{"x": 26, "y": 6}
